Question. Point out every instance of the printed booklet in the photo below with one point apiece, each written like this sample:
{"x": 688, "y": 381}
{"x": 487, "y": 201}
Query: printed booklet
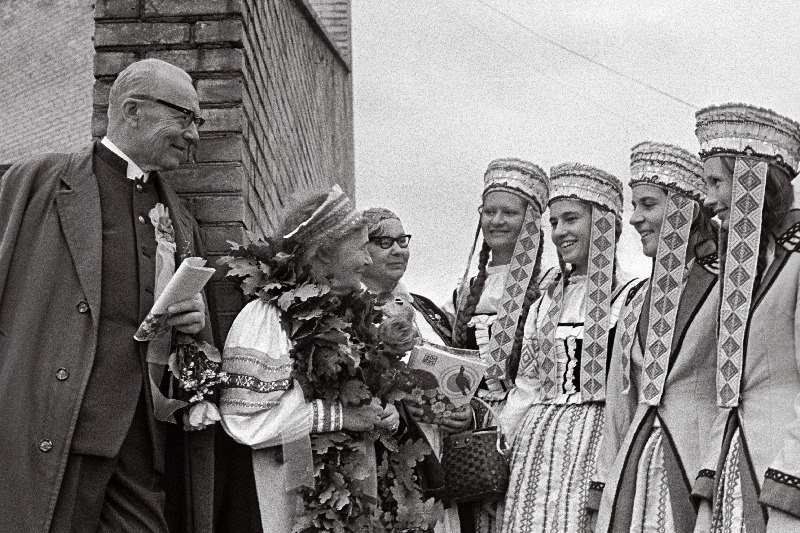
{"x": 448, "y": 378}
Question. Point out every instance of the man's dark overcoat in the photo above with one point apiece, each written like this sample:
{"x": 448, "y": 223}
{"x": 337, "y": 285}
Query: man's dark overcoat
{"x": 50, "y": 268}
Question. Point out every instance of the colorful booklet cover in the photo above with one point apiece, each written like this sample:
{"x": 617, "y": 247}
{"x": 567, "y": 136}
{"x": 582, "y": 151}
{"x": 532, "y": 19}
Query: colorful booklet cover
{"x": 447, "y": 377}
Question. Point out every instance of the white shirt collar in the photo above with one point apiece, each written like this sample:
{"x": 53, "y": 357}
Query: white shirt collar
{"x": 133, "y": 171}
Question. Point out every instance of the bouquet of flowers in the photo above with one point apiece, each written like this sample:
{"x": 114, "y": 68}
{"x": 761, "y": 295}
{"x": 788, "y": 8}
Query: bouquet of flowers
{"x": 197, "y": 367}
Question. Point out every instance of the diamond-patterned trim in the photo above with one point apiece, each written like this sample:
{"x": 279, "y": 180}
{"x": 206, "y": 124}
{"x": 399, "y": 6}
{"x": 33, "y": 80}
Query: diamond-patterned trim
{"x": 519, "y": 277}
{"x": 241, "y": 381}
{"x": 630, "y": 319}
{"x": 599, "y": 281}
{"x": 546, "y": 336}
{"x": 782, "y": 478}
{"x": 666, "y": 287}
{"x": 747, "y": 201}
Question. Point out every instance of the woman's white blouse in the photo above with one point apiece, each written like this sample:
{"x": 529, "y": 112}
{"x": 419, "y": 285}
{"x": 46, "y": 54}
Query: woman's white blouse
{"x": 258, "y": 347}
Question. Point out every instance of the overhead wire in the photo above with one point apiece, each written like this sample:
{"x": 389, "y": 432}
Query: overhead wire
{"x": 585, "y": 57}
{"x": 639, "y": 126}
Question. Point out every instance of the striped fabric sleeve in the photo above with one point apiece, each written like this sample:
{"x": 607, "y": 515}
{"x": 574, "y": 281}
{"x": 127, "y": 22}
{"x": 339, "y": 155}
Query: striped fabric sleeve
{"x": 261, "y": 405}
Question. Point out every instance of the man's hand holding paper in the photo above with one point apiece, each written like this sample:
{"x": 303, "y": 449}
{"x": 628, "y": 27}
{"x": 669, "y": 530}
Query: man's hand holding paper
{"x": 188, "y": 316}
{"x": 180, "y": 304}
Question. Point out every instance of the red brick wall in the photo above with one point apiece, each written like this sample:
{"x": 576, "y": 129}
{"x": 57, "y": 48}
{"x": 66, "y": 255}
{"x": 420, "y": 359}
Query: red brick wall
{"x": 276, "y": 93}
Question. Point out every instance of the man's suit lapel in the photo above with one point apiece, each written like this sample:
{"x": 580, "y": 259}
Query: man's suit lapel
{"x": 78, "y": 204}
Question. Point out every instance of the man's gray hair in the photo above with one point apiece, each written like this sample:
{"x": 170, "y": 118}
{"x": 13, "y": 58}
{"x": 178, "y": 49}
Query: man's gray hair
{"x": 145, "y": 77}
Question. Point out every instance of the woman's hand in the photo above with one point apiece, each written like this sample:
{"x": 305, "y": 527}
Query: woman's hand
{"x": 414, "y": 408}
{"x": 459, "y": 420}
{"x": 703, "y": 523}
{"x": 390, "y": 418}
{"x": 363, "y": 418}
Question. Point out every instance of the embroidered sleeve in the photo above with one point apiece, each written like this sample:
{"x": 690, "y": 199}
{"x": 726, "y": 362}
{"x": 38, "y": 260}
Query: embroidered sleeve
{"x": 781, "y": 491}
{"x": 703, "y": 488}
{"x": 781, "y": 488}
{"x": 261, "y": 405}
{"x": 595, "y": 495}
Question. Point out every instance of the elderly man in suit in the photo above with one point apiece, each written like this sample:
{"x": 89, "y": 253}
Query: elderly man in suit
{"x": 85, "y": 443}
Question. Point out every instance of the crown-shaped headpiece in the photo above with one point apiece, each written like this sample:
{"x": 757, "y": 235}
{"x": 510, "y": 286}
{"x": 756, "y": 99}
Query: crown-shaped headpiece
{"x": 518, "y": 176}
{"x": 587, "y": 183}
{"x": 668, "y": 166}
{"x": 741, "y": 129}
{"x": 330, "y": 221}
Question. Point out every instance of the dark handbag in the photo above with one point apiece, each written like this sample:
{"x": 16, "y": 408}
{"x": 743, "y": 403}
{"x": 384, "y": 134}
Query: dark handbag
{"x": 475, "y": 464}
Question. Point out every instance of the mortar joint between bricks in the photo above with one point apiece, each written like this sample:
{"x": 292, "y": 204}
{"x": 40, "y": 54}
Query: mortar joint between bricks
{"x": 189, "y": 19}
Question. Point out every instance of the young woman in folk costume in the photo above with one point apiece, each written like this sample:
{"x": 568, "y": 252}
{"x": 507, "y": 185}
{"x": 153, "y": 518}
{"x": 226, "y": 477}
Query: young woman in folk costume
{"x": 660, "y": 389}
{"x": 389, "y": 249}
{"x": 554, "y": 414}
{"x": 750, "y": 157}
{"x": 491, "y": 307}
{"x": 264, "y": 406}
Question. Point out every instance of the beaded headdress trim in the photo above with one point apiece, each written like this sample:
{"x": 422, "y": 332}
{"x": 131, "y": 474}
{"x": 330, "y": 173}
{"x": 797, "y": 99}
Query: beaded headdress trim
{"x": 741, "y": 129}
{"x": 668, "y": 166}
{"x": 587, "y": 183}
{"x": 334, "y": 219}
{"x": 517, "y": 176}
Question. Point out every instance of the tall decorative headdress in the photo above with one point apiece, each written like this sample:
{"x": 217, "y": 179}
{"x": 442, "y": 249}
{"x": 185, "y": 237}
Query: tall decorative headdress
{"x": 529, "y": 182}
{"x": 680, "y": 173}
{"x": 334, "y": 219}
{"x": 756, "y": 137}
{"x": 603, "y": 192}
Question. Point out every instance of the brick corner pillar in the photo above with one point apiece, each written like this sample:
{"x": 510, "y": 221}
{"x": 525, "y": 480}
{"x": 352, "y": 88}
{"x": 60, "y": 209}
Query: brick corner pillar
{"x": 276, "y": 94}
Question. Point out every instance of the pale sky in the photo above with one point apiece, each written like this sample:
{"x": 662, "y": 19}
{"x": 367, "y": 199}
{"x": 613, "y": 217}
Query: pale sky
{"x": 443, "y": 87}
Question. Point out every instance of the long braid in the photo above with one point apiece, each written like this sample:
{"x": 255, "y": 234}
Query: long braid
{"x": 463, "y": 316}
{"x": 531, "y": 295}
{"x": 778, "y": 200}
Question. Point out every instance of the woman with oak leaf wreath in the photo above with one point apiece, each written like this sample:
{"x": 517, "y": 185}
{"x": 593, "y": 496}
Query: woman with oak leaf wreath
{"x": 310, "y": 387}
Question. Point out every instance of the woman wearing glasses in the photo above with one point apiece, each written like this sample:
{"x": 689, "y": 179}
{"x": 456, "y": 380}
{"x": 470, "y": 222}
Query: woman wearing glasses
{"x": 491, "y": 306}
{"x": 388, "y": 248}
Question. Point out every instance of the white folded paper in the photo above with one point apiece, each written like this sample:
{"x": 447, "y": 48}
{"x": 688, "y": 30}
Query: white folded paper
{"x": 188, "y": 281}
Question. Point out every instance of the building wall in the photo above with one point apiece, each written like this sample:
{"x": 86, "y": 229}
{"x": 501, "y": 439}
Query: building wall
{"x": 45, "y": 76}
{"x": 275, "y": 90}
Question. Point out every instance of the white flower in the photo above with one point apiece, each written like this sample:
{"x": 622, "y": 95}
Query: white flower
{"x": 200, "y": 416}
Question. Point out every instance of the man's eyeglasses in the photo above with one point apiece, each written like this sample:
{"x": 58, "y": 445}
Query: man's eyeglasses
{"x": 188, "y": 114}
{"x": 387, "y": 242}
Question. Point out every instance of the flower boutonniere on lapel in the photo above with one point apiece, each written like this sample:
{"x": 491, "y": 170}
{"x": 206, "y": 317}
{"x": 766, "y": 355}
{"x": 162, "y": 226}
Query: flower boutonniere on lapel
{"x": 159, "y": 217}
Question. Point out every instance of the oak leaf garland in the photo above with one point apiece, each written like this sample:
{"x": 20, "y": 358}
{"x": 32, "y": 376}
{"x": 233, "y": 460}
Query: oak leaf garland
{"x": 338, "y": 356}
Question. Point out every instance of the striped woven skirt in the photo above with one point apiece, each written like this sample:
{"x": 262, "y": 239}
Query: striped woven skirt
{"x": 652, "y": 508}
{"x": 554, "y": 459}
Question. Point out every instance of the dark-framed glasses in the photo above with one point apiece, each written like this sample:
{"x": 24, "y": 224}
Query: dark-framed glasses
{"x": 188, "y": 115}
{"x": 387, "y": 242}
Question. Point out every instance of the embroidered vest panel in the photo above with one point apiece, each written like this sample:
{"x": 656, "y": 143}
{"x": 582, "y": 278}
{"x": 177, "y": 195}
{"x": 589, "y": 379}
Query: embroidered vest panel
{"x": 128, "y": 275}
